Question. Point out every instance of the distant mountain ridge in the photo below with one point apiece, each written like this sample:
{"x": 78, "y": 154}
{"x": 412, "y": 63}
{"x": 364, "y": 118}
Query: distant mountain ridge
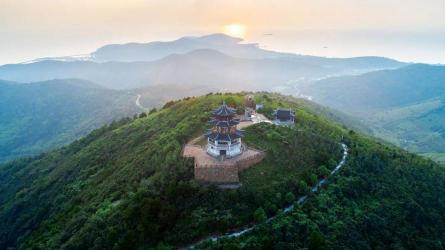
{"x": 194, "y": 68}
{"x": 231, "y": 46}
{"x": 214, "y": 59}
{"x": 151, "y": 51}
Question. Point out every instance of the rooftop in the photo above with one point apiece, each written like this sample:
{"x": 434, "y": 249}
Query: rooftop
{"x": 284, "y": 114}
{"x": 224, "y": 137}
{"x": 225, "y": 124}
{"x": 224, "y": 110}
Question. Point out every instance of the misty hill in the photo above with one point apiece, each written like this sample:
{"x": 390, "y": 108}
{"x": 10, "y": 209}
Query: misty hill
{"x": 231, "y": 46}
{"x": 381, "y": 89}
{"x": 39, "y": 116}
{"x": 405, "y": 106}
{"x": 228, "y": 45}
{"x": 197, "y": 67}
{"x": 126, "y": 186}
{"x": 152, "y": 51}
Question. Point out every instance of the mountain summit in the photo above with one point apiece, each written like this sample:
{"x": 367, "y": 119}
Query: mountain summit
{"x": 126, "y": 186}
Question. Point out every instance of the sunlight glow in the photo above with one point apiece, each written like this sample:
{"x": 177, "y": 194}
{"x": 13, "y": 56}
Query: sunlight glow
{"x": 235, "y": 30}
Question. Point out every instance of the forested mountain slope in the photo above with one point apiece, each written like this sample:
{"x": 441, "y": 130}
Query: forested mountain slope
{"x": 39, "y": 116}
{"x": 126, "y": 186}
{"x": 383, "y": 198}
{"x": 404, "y": 106}
{"x": 380, "y": 90}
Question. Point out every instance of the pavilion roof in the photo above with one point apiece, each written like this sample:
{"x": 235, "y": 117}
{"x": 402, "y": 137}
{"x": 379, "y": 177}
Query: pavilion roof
{"x": 224, "y": 110}
{"x": 224, "y": 137}
{"x": 284, "y": 114}
{"x": 224, "y": 124}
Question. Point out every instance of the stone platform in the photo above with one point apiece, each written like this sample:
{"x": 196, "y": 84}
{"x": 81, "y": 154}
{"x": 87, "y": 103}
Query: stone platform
{"x": 223, "y": 172}
{"x": 211, "y": 170}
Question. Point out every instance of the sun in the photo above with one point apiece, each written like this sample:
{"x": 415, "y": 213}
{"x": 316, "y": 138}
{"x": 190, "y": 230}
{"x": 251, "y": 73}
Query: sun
{"x": 235, "y": 30}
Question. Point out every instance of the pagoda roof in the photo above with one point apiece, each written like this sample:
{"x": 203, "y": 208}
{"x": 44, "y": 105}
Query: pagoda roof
{"x": 284, "y": 114}
{"x": 224, "y": 137}
{"x": 224, "y": 124}
{"x": 224, "y": 110}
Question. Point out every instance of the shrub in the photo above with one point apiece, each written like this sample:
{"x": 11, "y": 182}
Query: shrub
{"x": 259, "y": 215}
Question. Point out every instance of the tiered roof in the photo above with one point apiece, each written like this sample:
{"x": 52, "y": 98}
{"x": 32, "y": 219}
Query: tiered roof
{"x": 224, "y": 110}
{"x": 224, "y": 124}
{"x": 223, "y": 118}
{"x": 224, "y": 137}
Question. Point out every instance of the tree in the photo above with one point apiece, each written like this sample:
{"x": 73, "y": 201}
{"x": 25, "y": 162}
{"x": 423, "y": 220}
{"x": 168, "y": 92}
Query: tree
{"x": 302, "y": 187}
{"x": 323, "y": 171}
{"x": 230, "y": 101}
{"x": 317, "y": 242}
{"x": 259, "y": 215}
{"x": 290, "y": 197}
{"x": 332, "y": 163}
{"x": 313, "y": 178}
{"x": 153, "y": 110}
{"x": 162, "y": 246}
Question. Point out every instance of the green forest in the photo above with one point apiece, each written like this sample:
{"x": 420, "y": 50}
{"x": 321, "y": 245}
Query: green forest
{"x": 41, "y": 116}
{"x": 405, "y": 106}
{"x": 126, "y": 186}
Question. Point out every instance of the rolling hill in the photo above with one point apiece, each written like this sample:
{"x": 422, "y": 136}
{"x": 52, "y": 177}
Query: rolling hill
{"x": 380, "y": 90}
{"x": 404, "y": 106}
{"x": 126, "y": 186}
{"x": 39, "y": 116}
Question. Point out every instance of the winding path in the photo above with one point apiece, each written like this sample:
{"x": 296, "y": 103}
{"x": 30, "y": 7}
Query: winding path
{"x": 286, "y": 210}
{"x": 138, "y": 102}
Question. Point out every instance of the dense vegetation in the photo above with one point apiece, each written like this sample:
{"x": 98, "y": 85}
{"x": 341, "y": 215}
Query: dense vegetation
{"x": 404, "y": 106}
{"x": 125, "y": 186}
{"x": 39, "y": 116}
{"x": 418, "y": 127}
{"x": 383, "y": 198}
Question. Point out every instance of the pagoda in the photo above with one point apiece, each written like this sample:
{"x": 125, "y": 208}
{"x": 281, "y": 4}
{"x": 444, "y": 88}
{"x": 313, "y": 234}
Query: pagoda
{"x": 223, "y": 139}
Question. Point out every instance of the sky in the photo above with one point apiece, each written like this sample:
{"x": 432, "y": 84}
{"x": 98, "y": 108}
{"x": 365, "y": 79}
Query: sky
{"x": 408, "y": 30}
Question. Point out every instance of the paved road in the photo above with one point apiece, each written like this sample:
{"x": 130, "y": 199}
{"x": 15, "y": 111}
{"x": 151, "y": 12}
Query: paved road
{"x": 257, "y": 118}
